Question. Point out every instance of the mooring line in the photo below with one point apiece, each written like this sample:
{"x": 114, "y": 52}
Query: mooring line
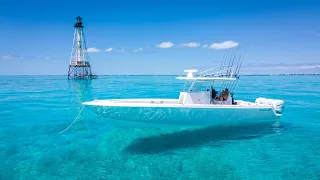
{"x": 73, "y": 121}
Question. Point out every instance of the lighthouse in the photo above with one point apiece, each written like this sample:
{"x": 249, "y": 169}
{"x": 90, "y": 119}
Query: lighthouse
{"x": 79, "y": 67}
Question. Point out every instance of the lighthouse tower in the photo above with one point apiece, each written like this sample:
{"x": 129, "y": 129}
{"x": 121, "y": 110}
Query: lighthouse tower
{"x": 79, "y": 67}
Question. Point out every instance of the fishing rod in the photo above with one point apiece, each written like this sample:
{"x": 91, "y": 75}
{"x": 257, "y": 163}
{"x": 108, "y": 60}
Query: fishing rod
{"x": 223, "y": 59}
{"x": 230, "y": 70}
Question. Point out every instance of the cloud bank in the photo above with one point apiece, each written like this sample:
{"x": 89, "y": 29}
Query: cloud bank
{"x": 108, "y": 50}
{"x": 167, "y": 44}
{"x": 10, "y": 57}
{"x": 191, "y": 44}
{"x": 223, "y": 45}
{"x": 93, "y": 49}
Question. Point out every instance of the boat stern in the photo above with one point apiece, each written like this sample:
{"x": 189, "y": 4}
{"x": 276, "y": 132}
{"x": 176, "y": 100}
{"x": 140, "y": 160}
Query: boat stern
{"x": 277, "y": 104}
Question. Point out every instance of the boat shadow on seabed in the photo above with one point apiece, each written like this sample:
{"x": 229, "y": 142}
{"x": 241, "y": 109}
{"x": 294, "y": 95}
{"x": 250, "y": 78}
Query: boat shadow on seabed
{"x": 209, "y": 136}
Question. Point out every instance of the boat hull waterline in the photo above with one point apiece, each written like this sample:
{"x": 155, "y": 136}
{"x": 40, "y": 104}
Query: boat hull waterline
{"x": 171, "y": 113}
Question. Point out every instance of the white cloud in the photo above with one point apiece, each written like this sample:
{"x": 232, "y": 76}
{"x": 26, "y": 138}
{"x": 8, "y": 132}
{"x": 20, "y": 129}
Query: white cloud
{"x": 165, "y": 45}
{"x": 108, "y": 50}
{"x": 9, "y": 57}
{"x": 223, "y": 45}
{"x": 191, "y": 44}
{"x": 137, "y": 50}
{"x": 93, "y": 50}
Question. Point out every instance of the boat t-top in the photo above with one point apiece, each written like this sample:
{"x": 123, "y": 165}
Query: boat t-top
{"x": 206, "y": 99}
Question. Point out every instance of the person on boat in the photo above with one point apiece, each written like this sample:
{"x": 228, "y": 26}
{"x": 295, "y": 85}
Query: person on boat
{"x": 219, "y": 98}
{"x": 224, "y": 98}
{"x": 230, "y": 100}
{"x": 213, "y": 94}
{"x": 225, "y": 95}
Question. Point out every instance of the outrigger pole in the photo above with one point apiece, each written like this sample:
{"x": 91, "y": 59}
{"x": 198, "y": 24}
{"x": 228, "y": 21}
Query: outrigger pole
{"x": 229, "y": 68}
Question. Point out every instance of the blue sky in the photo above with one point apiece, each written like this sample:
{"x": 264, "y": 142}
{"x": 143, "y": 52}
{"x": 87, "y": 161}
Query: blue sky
{"x": 277, "y": 36}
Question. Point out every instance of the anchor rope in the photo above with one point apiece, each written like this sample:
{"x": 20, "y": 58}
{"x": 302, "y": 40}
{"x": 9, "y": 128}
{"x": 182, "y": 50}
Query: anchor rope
{"x": 73, "y": 121}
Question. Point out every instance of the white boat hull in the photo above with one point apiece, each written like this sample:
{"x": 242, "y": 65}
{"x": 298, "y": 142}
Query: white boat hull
{"x": 179, "y": 114}
{"x": 198, "y": 105}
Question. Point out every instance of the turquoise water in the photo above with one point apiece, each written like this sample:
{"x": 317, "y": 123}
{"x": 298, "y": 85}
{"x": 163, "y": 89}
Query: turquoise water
{"x": 33, "y": 109}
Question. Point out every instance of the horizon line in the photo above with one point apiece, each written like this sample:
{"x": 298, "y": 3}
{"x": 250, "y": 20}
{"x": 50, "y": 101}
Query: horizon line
{"x": 283, "y": 74}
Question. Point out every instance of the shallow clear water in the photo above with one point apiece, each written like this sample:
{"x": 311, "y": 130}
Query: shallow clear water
{"x": 33, "y": 109}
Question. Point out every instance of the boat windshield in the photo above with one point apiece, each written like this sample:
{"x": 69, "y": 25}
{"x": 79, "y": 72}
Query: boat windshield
{"x": 197, "y": 86}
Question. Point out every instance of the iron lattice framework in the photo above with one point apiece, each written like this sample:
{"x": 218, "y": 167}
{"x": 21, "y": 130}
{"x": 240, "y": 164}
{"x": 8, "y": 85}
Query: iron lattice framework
{"x": 79, "y": 67}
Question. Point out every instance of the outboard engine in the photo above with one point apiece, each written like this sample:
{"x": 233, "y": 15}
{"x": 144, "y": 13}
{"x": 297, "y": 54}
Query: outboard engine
{"x": 276, "y": 103}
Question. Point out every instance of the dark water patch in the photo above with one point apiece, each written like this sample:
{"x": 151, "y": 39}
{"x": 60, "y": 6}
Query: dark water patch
{"x": 213, "y": 135}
